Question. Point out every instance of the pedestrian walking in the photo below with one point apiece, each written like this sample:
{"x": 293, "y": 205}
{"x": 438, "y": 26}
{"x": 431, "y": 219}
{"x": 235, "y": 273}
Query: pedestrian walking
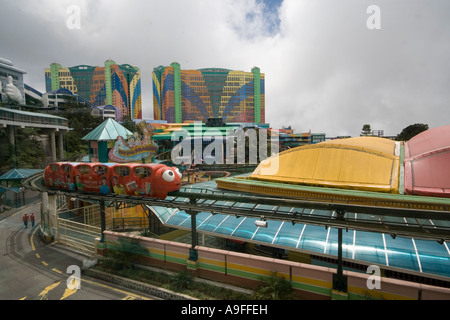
{"x": 25, "y": 220}
{"x": 32, "y": 219}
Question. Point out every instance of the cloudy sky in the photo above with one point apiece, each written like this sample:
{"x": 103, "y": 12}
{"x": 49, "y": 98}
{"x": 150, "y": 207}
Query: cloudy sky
{"x": 326, "y": 70}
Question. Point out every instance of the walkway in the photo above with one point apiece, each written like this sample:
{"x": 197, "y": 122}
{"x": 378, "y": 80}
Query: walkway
{"x": 17, "y": 118}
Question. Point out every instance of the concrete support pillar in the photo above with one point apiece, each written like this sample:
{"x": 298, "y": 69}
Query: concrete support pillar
{"x": 61, "y": 145}
{"x": 53, "y": 144}
{"x": 12, "y": 143}
{"x": 49, "y": 221}
{"x": 52, "y": 215}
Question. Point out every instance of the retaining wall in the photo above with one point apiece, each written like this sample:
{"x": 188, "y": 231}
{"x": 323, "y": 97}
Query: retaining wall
{"x": 245, "y": 270}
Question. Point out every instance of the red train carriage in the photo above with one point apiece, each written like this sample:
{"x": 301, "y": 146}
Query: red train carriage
{"x": 92, "y": 177}
{"x": 59, "y": 175}
{"x": 154, "y": 180}
{"x": 150, "y": 180}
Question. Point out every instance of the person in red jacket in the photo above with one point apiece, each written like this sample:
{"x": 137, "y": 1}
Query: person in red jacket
{"x": 32, "y": 219}
{"x": 25, "y": 220}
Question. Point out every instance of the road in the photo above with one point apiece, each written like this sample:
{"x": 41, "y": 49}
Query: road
{"x": 33, "y": 270}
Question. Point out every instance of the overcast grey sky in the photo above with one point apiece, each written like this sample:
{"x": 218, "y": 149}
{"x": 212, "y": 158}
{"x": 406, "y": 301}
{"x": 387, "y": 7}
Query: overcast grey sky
{"x": 325, "y": 70}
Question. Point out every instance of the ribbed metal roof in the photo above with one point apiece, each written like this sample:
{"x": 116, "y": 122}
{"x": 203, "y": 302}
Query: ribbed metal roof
{"x": 109, "y": 130}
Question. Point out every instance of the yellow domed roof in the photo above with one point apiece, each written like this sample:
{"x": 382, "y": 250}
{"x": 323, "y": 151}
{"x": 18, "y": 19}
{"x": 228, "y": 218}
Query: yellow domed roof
{"x": 364, "y": 163}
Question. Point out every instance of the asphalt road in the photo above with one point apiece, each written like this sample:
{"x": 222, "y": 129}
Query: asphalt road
{"x": 33, "y": 270}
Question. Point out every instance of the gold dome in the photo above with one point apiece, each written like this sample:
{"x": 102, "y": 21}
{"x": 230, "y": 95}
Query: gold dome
{"x": 362, "y": 163}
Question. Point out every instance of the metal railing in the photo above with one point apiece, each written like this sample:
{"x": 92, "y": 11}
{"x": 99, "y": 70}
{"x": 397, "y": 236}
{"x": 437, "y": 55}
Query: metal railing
{"x": 78, "y": 235}
{"x": 129, "y": 222}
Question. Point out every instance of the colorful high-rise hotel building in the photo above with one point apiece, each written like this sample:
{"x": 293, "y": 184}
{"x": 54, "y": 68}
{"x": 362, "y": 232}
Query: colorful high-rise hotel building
{"x": 196, "y": 95}
{"x": 111, "y": 84}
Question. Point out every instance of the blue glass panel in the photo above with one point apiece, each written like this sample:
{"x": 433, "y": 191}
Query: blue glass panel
{"x": 370, "y": 247}
{"x": 201, "y": 217}
{"x": 163, "y": 213}
{"x": 401, "y": 253}
{"x": 228, "y": 225}
{"x": 347, "y": 243}
{"x": 267, "y": 234}
{"x": 246, "y": 229}
{"x": 178, "y": 218}
{"x": 289, "y": 235}
{"x": 313, "y": 238}
{"x": 212, "y": 223}
{"x": 434, "y": 257}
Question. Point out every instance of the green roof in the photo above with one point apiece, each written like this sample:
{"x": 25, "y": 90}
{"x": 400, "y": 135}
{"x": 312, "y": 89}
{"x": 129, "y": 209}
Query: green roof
{"x": 109, "y": 130}
{"x": 17, "y": 174}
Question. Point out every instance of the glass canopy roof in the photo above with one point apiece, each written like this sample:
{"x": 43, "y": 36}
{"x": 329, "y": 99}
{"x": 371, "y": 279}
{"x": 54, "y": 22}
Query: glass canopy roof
{"x": 425, "y": 256}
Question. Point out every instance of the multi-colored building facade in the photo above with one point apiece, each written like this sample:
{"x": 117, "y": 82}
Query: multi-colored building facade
{"x": 196, "y": 95}
{"x": 111, "y": 84}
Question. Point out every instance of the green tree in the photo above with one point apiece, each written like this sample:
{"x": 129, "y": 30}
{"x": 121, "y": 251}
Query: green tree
{"x": 410, "y": 131}
{"x": 28, "y": 150}
{"x": 366, "y": 130}
{"x": 81, "y": 122}
{"x": 131, "y": 125}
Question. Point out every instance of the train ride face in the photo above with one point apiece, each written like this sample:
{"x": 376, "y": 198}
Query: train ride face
{"x": 148, "y": 180}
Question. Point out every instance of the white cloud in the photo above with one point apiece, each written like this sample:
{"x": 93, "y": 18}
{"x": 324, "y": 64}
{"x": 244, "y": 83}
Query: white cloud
{"x": 325, "y": 71}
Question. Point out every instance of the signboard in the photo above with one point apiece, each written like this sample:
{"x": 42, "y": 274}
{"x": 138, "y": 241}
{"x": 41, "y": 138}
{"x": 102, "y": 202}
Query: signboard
{"x": 134, "y": 148}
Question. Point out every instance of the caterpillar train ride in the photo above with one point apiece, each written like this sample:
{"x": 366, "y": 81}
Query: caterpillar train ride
{"x": 147, "y": 180}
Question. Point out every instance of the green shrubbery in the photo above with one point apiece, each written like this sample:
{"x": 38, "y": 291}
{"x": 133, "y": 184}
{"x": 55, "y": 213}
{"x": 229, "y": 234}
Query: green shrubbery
{"x": 273, "y": 288}
{"x": 119, "y": 260}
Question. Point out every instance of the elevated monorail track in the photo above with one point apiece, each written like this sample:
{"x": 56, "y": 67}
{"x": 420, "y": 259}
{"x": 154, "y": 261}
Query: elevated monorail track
{"x": 396, "y": 221}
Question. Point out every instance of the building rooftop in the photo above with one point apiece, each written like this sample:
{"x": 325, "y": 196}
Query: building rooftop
{"x": 364, "y": 163}
{"x": 18, "y": 174}
{"x": 110, "y": 129}
{"x": 427, "y": 158}
{"x": 417, "y": 167}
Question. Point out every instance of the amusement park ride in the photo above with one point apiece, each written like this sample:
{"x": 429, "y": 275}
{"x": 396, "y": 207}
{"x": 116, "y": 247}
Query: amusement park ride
{"x": 257, "y": 196}
{"x": 193, "y": 200}
{"x": 160, "y": 186}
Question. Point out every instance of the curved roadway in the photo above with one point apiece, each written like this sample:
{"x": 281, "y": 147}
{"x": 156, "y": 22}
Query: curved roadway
{"x": 33, "y": 270}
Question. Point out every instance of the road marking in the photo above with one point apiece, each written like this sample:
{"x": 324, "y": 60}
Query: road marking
{"x": 69, "y": 292}
{"x": 44, "y": 292}
{"x": 32, "y": 240}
